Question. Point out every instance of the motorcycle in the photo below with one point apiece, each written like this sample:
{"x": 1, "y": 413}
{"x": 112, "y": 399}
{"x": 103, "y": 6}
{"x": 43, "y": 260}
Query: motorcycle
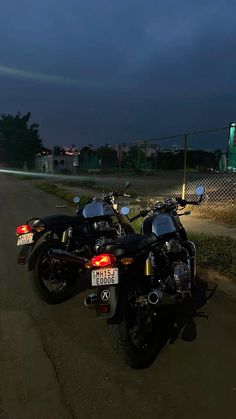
{"x": 140, "y": 275}
{"x": 56, "y": 247}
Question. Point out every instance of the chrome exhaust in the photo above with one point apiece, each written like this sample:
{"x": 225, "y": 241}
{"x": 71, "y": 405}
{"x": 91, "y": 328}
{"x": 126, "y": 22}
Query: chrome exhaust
{"x": 157, "y": 297}
{"x": 66, "y": 256}
{"x": 90, "y": 300}
{"x": 154, "y": 297}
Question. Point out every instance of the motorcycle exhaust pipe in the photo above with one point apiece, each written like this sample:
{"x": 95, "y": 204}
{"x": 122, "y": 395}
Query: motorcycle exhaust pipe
{"x": 157, "y": 297}
{"x": 154, "y": 297}
{"x": 66, "y": 256}
{"x": 90, "y": 300}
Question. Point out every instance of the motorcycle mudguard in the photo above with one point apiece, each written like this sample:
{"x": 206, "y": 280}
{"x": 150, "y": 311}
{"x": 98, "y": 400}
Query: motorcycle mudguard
{"x": 24, "y": 254}
{"x": 107, "y": 296}
{"x": 26, "y": 251}
{"x": 35, "y": 252}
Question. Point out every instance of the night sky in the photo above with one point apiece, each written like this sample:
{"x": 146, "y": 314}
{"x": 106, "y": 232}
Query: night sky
{"x": 109, "y": 71}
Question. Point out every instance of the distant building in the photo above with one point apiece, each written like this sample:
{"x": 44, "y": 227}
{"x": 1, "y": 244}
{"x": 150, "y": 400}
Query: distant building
{"x": 56, "y": 164}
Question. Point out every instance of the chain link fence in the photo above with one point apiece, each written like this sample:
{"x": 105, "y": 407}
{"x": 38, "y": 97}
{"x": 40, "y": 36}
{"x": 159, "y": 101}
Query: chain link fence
{"x": 180, "y": 163}
{"x": 168, "y": 166}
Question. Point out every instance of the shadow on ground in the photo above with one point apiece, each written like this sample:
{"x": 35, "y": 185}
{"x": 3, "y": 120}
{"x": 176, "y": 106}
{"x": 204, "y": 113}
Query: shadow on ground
{"x": 179, "y": 323}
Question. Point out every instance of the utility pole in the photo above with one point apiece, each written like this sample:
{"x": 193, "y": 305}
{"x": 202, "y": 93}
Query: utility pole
{"x": 185, "y": 165}
{"x": 119, "y": 157}
{"x": 145, "y": 152}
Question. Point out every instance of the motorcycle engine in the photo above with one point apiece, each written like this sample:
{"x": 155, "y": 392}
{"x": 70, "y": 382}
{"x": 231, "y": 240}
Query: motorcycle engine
{"x": 172, "y": 268}
{"x": 101, "y": 226}
{"x": 182, "y": 277}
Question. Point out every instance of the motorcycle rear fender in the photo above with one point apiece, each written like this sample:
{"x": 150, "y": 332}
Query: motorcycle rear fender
{"x": 35, "y": 250}
{"x": 112, "y": 301}
{"x": 26, "y": 251}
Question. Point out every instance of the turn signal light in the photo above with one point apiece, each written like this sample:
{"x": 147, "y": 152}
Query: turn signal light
{"x": 127, "y": 261}
{"x": 102, "y": 260}
{"x": 23, "y": 229}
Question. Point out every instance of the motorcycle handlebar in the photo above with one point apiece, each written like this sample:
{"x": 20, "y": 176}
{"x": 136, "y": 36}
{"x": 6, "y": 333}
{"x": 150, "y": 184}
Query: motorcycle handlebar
{"x": 141, "y": 214}
{"x": 184, "y": 202}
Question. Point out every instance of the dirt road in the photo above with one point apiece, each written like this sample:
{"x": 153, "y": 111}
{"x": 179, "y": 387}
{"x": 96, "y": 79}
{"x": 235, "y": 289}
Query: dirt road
{"x": 57, "y": 361}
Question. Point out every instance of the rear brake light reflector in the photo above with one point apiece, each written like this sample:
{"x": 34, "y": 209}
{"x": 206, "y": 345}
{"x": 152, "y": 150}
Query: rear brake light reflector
{"x": 23, "y": 229}
{"x": 103, "y": 260}
{"x": 21, "y": 260}
{"x": 103, "y": 308}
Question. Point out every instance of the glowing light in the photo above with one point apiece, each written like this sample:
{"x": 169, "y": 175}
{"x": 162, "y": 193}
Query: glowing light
{"x": 103, "y": 260}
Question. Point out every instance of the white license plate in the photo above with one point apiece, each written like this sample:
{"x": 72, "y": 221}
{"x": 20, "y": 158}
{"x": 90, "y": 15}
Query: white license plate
{"x": 106, "y": 276}
{"x": 25, "y": 239}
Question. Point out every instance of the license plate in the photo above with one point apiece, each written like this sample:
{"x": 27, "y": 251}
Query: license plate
{"x": 107, "y": 276}
{"x": 25, "y": 239}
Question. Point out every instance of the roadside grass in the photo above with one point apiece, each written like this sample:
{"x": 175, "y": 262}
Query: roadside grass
{"x": 82, "y": 184}
{"x": 224, "y": 214}
{"x": 60, "y": 192}
{"x": 217, "y": 252}
{"x": 96, "y": 187}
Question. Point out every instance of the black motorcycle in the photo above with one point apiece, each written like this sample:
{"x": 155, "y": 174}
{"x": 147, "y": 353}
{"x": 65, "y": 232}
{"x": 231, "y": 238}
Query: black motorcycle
{"x": 56, "y": 247}
{"x": 138, "y": 276}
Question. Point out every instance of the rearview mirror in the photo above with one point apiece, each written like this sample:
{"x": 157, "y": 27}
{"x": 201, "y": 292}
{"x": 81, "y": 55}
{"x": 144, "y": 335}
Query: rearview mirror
{"x": 76, "y": 199}
{"x": 200, "y": 190}
{"x": 124, "y": 210}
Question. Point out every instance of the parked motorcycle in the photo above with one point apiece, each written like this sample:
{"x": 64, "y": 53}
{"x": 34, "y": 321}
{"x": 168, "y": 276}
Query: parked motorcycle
{"x": 139, "y": 275}
{"x": 56, "y": 247}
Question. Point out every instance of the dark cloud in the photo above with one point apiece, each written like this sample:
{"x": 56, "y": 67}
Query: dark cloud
{"x": 108, "y": 71}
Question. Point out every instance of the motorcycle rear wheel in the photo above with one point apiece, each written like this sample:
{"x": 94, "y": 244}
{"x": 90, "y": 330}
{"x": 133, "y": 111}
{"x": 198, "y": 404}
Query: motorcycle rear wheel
{"x": 53, "y": 281}
{"x": 136, "y": 348}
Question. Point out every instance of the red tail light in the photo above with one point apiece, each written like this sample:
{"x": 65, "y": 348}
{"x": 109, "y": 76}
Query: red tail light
{"x": 25, "y": 228}
{"x": 103, "y": 260}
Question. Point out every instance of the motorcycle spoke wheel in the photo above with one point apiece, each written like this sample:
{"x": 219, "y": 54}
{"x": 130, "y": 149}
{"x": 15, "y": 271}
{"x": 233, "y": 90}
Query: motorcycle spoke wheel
{"x": 53, "y": 276}
{"x": 141, "y": 335}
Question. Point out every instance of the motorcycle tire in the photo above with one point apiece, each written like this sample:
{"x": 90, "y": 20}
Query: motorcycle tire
{"x": 41, "y": 269}
{"x": 130, "y": 353}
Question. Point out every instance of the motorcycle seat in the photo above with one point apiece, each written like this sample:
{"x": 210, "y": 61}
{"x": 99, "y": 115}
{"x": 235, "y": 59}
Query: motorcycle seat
{"x": 61, "y": 219}
{"x": 129, "y": 245}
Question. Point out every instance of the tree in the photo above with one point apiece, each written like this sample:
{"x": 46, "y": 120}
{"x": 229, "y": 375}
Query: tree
{"x": 19, "y": 141}
{"x": 136, "y": 156}
{"x": 58, "y": 150}
{"x": 108, "y": 156}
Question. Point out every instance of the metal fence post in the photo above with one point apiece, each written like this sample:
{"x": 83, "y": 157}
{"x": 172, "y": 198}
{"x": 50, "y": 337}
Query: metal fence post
{"x": 185, "y": 165}
{"x": 145, "y": 151}
{"x": 120, "y": 157}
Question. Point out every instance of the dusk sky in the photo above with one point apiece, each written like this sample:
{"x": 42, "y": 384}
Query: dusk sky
{"x": 109, "y": 71}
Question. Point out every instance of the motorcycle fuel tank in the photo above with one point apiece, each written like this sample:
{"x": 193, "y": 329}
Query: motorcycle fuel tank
{"x": 97, "y": 209}
{"x": 159, "y": 224}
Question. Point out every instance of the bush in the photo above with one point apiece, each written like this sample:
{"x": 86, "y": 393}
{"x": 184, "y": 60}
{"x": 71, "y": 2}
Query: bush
{"x": 217, "y": 252}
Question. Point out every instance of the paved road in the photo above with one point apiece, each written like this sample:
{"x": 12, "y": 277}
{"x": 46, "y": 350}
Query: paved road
{"x": 57, "y": 362}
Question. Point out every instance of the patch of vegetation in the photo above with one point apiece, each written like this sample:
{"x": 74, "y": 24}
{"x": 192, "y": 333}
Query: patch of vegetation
{"x": 223, "y": 214}
{"x": 60, "y": 192}
{"x": 82, "y": 183}
{"x": 217, "y": 252}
